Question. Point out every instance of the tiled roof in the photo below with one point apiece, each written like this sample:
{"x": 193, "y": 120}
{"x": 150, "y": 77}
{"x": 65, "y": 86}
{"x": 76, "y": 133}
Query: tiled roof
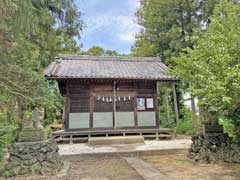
{"x": 102, "y": 67}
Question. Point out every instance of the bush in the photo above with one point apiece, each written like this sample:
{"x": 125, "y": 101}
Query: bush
{"x": 7, "y": 136}
{"x": 227, "y": 126}
{"x": 186, "y": 124}
{"x": 185, "y": 127}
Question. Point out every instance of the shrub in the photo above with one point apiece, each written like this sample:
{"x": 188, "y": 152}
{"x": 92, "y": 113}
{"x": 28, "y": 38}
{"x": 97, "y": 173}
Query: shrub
{"x": 7, "y": 136}
{"x": 186, "y": 124}
{"x": 227, "y": 126}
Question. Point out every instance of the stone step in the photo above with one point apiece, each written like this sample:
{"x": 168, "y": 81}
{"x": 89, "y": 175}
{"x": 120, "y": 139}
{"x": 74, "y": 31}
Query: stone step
{"x": 147, "y": 171}
{"x": 115, "y": 140}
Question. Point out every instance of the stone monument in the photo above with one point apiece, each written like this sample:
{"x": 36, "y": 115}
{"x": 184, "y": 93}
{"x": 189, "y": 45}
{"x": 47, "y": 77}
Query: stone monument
{"x": 32, "y": 153}
{"x": 213, "y": 145}
{"x": 32, "y": 129}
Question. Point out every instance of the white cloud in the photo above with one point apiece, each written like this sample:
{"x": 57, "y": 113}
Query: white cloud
{"x": 113, "y": 25}
{"x": 122, "y": 26}
{"x": 129, "y": 38}
{"x": 134, "y": 3}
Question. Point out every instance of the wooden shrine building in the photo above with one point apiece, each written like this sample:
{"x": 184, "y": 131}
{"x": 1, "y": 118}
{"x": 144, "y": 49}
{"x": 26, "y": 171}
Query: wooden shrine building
{"x": 109, "y": 94}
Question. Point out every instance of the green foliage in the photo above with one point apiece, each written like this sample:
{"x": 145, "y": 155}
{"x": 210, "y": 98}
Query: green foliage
{"x": 227, "y": 126}
{"x": 7, "y": 136}
{"x": 212, "y": 66}
{"x": 167, "y": 115}
{"x": 95, "y": 51}
{"x": 32, "y": 33}
{"x": 99, "y": 51}
{"x": 48, "y": 131}
{"x": 186, "y": 125}
{"x": 111, "y": 53}
{"x": 168, "y": 26}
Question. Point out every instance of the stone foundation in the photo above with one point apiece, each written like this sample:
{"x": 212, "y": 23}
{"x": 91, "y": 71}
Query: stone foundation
{"x": 214, "y": 147}
{"x": 33, "y": 157}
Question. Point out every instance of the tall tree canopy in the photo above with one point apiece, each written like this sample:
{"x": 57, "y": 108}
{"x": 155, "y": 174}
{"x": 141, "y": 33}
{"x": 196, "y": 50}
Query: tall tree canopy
{"x": 99, "y": 51}
{"x": 95, "y": 51}
{"x": 168, "y": 26}
{"x": 212, "y": 65}
{"x": 32, "y": 32}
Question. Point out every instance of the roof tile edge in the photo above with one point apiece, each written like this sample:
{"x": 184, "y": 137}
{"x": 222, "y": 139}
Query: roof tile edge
{"x": 107, "y": 58}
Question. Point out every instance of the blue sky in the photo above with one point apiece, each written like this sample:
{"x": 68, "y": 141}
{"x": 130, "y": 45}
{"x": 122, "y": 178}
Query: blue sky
{"x": 110, "y": 24}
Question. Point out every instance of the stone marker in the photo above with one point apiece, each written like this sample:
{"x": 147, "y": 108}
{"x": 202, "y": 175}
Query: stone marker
{"x": 33, "y": 154}
{"x": 33, "y": 157}
{"x": 213, "y": 145}
{"x": 32, "y": 129}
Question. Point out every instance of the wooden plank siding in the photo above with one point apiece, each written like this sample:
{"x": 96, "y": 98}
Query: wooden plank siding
{"x": 82, "y": 97}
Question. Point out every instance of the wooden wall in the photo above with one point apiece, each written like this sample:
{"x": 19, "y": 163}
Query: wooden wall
{"x": 83, "y": 97}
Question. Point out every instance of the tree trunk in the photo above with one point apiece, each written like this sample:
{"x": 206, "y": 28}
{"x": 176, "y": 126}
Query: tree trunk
{"x": 194, "y": 116}
{"x": 20, "y": 114}
{"x": 167, "y": 105}
{"x": 175, "y": 102}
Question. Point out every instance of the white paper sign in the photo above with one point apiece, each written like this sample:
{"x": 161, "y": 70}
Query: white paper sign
{"x": 149, "y": 103}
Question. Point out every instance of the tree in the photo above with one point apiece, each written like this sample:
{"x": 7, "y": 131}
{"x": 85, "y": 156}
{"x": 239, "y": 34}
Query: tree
{"x": 99, "y": 51}
{"x": 168, "y": 26}
{"x": 212, "y": 65}
{"x": 32, "y": 33}
{"x": 111, "y": 53}
{"x": 95, "y": 51}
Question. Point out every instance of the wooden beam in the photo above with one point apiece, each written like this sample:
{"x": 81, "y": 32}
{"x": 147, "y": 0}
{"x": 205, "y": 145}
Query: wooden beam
{"x": 175, "y": 102}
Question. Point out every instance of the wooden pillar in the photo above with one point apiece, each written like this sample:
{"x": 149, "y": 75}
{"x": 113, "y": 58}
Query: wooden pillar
{"x": 156, "y": 105}
{"x": 167, "y": 104}
{"x": 114, "y": 104}
{"x": 91, "y": 106}
{"x": 64, "y": 115}
{"x": 175, "y": 102}
{"x": 91, "y": 110}
{"x": 67, "y": 106}
{"x": 135, "y": 105}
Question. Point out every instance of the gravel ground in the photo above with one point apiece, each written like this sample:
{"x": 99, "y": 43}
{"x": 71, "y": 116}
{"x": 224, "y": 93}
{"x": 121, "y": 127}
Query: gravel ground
{"x": 82, "y": 148}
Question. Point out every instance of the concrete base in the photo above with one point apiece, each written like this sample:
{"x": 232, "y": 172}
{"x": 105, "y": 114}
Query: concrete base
{"x": 115, "y": 140}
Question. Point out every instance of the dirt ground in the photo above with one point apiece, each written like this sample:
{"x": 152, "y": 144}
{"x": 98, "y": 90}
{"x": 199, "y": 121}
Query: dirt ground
{"x": 176, "y": 167}
{"x": 179, "y": 167}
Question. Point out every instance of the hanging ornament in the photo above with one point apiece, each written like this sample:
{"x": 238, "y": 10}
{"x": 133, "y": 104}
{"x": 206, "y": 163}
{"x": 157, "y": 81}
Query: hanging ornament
{"x": 110, "y": 99}
{"x": 98, "y": 98}
{"x": 119, "y": 98}
{"x": 115, "y": 99}
{"x": 106, "y": 99}
{"x": 129, "y": 98}
{"x": 124, "y": 98}
{"x": 103, "y": 99}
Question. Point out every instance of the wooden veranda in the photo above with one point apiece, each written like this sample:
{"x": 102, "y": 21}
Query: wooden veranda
{"x": 83, "y": 136}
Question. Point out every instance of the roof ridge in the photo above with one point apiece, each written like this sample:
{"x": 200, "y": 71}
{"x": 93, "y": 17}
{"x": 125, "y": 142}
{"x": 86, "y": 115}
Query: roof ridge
{"x": 104, "y": 58}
